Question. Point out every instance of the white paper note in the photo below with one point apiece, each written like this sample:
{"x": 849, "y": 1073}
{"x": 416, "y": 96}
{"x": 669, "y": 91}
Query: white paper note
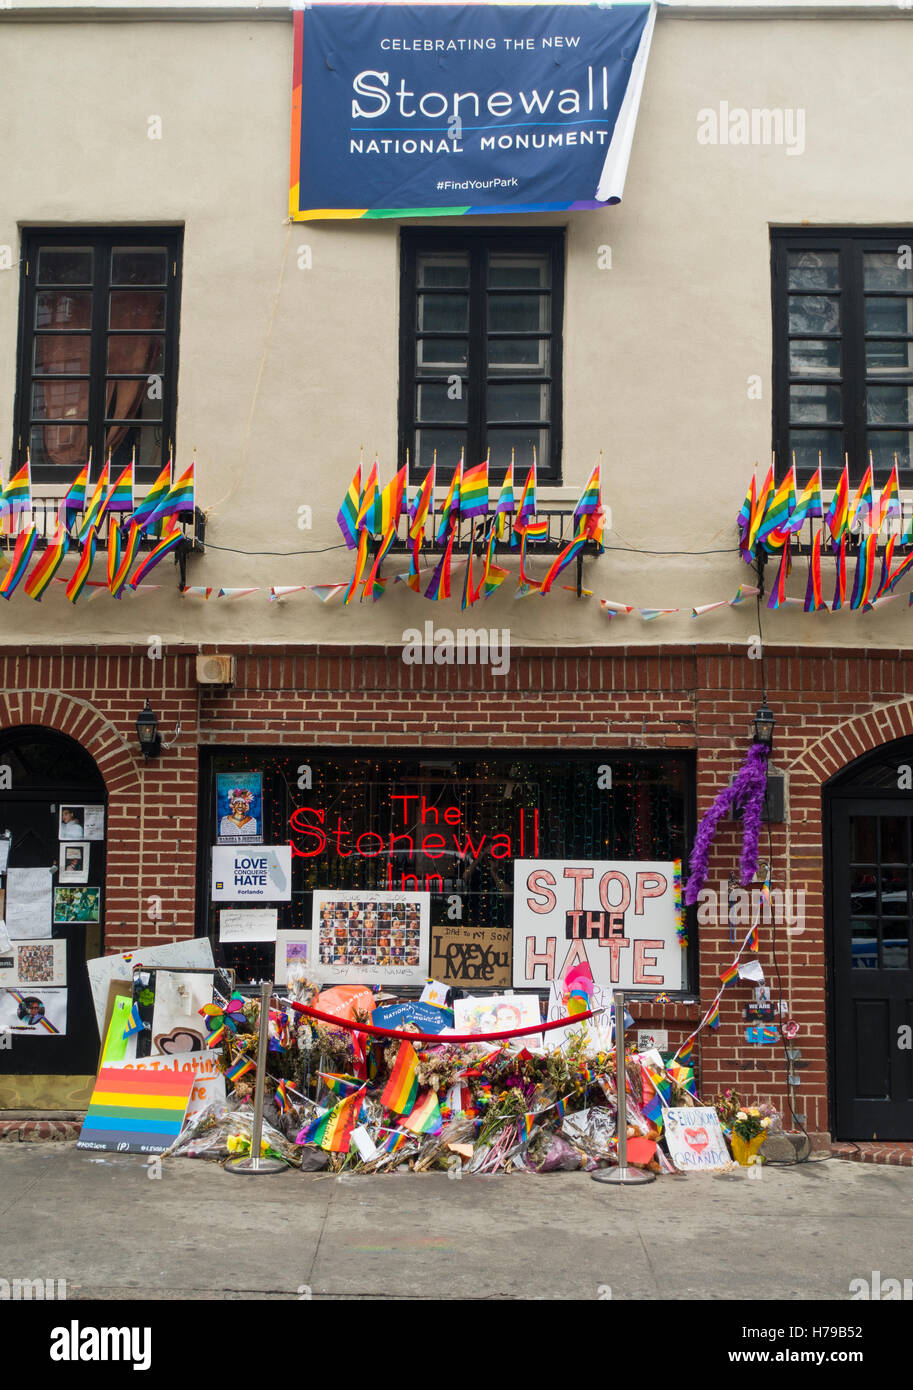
{"x": 248, "y": 924}
{"x": 28, "y": 903}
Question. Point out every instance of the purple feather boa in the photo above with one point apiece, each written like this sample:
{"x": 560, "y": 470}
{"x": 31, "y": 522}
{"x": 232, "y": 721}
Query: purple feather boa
{"x": 746, "y": 791}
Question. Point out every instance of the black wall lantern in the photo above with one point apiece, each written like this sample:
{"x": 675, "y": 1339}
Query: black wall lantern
{"x": 763, "y": 728}
{"x": 147, "y": 731}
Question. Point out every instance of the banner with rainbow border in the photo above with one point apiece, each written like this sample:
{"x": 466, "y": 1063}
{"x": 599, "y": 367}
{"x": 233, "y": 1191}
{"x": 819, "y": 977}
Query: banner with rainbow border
{"x": 399, "y": 110}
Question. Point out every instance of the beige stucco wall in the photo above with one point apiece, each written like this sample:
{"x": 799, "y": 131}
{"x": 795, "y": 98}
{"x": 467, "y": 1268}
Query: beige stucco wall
{"x": 284, "y": 372}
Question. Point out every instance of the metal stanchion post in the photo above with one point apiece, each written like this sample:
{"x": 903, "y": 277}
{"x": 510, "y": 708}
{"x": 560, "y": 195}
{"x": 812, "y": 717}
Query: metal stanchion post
{"x": 622, "y": 1173}
{"x": 254, "y": 1163}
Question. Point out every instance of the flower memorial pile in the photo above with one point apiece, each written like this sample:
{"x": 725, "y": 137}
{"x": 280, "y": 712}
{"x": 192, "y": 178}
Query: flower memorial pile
{"x": 340, "y": 1099}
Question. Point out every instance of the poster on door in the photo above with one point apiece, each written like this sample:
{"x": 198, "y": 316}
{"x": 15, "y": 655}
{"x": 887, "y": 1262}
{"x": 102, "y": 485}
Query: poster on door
{"x": 621, "y": 917}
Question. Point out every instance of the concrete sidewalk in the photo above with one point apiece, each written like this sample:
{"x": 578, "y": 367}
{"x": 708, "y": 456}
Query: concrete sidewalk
{"x": 112, "y": 1232}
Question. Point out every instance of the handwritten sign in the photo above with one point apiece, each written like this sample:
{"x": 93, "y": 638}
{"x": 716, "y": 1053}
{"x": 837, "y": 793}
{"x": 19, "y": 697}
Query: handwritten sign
{"x": 695, "y": 1140}
{"x": 619, "y": 917}
{"x": 463, "y": 955}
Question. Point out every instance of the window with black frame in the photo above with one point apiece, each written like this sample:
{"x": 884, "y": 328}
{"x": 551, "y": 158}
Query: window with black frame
{"x": 97, "y": 350}
{"x": 843, "y": 352}
{"x": 480, "y": 350}
{"x": 363, "y": 822}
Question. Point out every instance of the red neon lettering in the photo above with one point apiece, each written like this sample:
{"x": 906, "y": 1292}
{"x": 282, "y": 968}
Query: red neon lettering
{"x": 469, "y": 847}
{"x": 452, "y": 815}
{"x": 579, "y": 876}
{"x": 302, "y": 828}
{"x": 339, "y": 834}
{"x": 439, "y": 846}
{"x": 405, "y": 799}
{"x": 428, "y": 811}
{"x": 364, "y": 836}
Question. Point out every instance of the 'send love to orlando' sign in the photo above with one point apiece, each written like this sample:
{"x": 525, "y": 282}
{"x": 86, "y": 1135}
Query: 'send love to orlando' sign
{"x": 441, "y": 110}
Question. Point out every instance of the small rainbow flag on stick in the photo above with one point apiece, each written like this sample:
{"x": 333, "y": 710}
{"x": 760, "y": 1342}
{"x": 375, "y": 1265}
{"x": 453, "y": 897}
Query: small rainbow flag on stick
{"x": 422, "y": 505}
{"x": 474, "y": 491}
{"x": 74, "y": 500}
{"x": 401, "y": 1090}
{"x": 591, "y": 497}
{"x": 451, "y": 509}
{"x": 49, "y": 564}
{"x": 169, "y": 542}
{"x": 333, "y": 1130}
{"x": 369, "y": 509}
{"x": 120, "y": 493}
{"x": 339, "y": 1083}
{"x": 439, "y": 584}
{"x": 282, "y": 1101}
{"x": 425, "y": 1115}
{"x": 17, "y": 495}
{"x": 506, "y": 506}
{"x": 156, "y": 494}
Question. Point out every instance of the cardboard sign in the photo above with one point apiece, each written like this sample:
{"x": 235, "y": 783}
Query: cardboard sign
{"x": 620, "y": 917}
{"x": 463, "y": 955}
{"x": 257, "y": 873}
{"x": 427, "y": 1018}
{"x": 695, "y": 1140}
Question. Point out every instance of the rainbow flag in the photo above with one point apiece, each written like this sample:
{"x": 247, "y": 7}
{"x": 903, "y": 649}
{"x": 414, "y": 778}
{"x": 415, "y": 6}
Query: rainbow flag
{"x": 133, "y": 1111}
{"x": 169, "y": 542}
{"x": 218, "y": 1037}
{"x": 451, "y": 508}
{"x": 394, "y": 1141}
{"x": 713, "y": 1017}
{"x": 333, "y": 1130}
{"x": 813, "y": 601}
{"x": 731, "y": 973}
{"x": 536, "y": 529}
{"x": 779, "y": 511}
{"x": 17, "y": 494}
{"x": 422, "y": 506}
{"x": 865, "y": 571}
{"x": 92, "y": 517}
{"x": 862, "y": 502}
{"x": 391, "y": 503}
{"x": 902, "y": 568}
{"x": 373, "y": 581}
{"x": 684, "y": 1076}
{"x": 888, "y": 502}
{"x": 339, "y": 1083}
{"x": 368, "y": 518}
{"x": 401, "y": 1089}
{"x": 240, "y": 1068}
{"x": 683, "y": 1054}
{"x": 120, "y": 493}
{"x": 412, "y": 577}
{"x": 838, "y": 511}
{"x": 561, "y": 1106}
{"x": 439, "y": 584}
{"x": 743, "y": 520}
{"x": 506, "y": 506}
{"x": 469, "y": 595}
{"x": 525, "y": 1126}
{"x": 361, "y": 560}
{"x": 425, "y": 1115}
{"x": 778, "y": 592}
{"x": 493, "y": 576}
{"x": 282, "y": 1100}
{"x": 129, "y": 550}
{"x": 114, "y": 552}
{"x": 527, "y": 508}
{"x": 474, "y": 491}
{"x": 179, "y": 498}
{"x": 840, "y": 586}
{"x": 760, "y": 511}
{"x": 74, "y": 500}
{"x": 651, "y": 1105}
{"x": 566, "y": 556}
{"x": 49, "y": 564}
{"x": 156, "y": 494}
{"x": 808, "y": 505}
{"x": 347, "y": 516}
{"x": 23, "y": 551}
{"x": 591, "y": 497}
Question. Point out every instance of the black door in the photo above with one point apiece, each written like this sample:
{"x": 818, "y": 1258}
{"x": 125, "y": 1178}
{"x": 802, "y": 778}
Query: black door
{"x": 871, "y": 868}
{"x": 44, "y": 772}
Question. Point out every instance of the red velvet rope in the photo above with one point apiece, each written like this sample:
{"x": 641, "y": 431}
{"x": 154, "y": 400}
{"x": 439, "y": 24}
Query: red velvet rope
{"x": 436, "y": 1037}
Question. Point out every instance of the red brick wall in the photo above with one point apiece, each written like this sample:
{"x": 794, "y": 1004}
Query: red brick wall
{"x": 831, "y": 707}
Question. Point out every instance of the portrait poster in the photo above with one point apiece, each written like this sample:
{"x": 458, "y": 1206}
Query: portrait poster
{"x": 80, "y": 822}
{"x": 498, "y": 1013}
{"x": 370, "y": 937}
{"x": 38, "y": 1012}
{"x": 239, "y": 808}
{"x": 34, "y": 963}
{"x": 77, "y": 905}
{"x": 74, "y": 861}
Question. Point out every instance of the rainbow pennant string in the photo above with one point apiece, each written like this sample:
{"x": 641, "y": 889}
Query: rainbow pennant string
{"x": 731, "y": 973}
{"x": 681, "y": 930}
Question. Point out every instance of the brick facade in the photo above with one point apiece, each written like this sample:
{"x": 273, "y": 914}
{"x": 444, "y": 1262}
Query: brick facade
{"x": 831, "y": 707}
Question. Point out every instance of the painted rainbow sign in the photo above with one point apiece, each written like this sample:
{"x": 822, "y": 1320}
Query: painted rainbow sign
{"x": 448, "y": 110}
{"x": 135, "y": 1111}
